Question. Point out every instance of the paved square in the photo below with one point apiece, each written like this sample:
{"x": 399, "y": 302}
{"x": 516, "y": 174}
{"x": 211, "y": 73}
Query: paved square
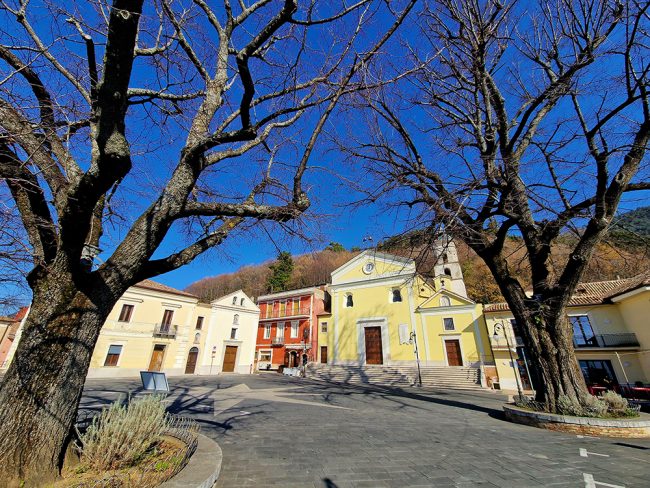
{"x": 288, "y": 432}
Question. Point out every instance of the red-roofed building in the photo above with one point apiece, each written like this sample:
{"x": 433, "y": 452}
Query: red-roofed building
{"x": 611, "y": 335}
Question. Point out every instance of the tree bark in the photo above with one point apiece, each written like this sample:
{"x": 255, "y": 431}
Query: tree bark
{"x": 41, "y": 390}
{"x": 548, "y": 337}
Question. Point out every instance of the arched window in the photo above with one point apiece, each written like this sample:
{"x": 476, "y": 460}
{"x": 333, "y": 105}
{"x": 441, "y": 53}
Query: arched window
{"x": 235, "y": 319}
{"x": 349, "y": 302}
{"x": 197, "y": 338}
{"x": 397, "y": 295}
{"x": 445, "y": 302}
{"x": 447, "y": 271}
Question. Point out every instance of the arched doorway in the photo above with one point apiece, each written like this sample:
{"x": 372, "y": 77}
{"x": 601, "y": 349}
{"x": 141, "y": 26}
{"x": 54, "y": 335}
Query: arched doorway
{"x": 293, "y": 359}
{"x": 191, "y": 360}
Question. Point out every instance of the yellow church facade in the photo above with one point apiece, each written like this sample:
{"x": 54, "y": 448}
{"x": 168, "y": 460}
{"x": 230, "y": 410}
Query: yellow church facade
{"x": 384, "y": 313}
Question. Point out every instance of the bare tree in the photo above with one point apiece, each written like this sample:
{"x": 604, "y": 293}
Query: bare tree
{"x": 529, "y": 122}
{"x": 187, "y": 98}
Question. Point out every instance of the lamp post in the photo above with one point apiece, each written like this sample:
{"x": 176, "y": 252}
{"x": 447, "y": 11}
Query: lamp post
{"x": 414, "y": 340}
{"x": 500, "y": 327}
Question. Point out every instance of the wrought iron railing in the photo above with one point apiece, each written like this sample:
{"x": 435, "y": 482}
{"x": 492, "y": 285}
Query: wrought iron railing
{"x": 289, "y": 312}
{"x": 277, "y": 341}
{"x": 164, "y": 330}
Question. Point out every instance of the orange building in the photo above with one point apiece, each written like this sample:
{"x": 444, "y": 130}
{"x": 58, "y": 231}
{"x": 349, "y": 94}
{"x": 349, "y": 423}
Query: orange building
{"x": 287, "y": 333}
{"x": 8, "y": 328}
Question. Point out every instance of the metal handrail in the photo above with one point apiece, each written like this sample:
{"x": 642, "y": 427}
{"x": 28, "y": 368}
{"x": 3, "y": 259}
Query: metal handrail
{"x": 164, "y": 330}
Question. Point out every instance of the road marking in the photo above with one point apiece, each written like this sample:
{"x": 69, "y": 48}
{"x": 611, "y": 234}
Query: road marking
{"x": 591, "y": 483}
{"x": 587, "y": 437}
{"x": 585, "y": 453}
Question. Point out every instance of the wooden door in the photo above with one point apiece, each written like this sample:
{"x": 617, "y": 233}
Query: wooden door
{"x": 157, "y": 357}
{"x": 323, "y": 354}
{"x": 191, "y": 360}
{"x": 374, "y": 353}
{"x": 454, "y": 356}
{"x": 229, "y": 358}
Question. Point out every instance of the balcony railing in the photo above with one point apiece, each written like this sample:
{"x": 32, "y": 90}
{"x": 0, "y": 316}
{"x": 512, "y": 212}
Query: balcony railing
{"x": 277, "y": 341}
{"x": 609, "y": 340}
{"x": 289, "y": 312}
{"x": 164, "y": 330}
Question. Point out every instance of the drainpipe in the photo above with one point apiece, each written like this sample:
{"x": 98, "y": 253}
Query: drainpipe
{"x": 622, "y": 368}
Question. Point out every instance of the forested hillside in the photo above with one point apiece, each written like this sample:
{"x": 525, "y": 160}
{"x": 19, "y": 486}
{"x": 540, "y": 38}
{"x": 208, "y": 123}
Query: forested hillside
{"x": 625, "y": 253}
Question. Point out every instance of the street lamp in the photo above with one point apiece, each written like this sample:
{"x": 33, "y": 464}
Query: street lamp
{"x": 500, "y": 327}
{"x": 414, "y": 341}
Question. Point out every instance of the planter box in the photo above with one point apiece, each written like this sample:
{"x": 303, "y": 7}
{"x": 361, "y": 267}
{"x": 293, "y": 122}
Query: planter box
{"x": 637, "y": 427}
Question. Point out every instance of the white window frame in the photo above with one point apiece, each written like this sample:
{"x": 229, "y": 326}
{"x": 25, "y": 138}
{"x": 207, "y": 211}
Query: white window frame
{"x": 279, "y": 330}
{"x": 265, "y": 351}
{"x": 444, "y": 324}
{"x": 267, "y": 331}
{"x": 119, "y": 357}
{"x": 295, "y": 329}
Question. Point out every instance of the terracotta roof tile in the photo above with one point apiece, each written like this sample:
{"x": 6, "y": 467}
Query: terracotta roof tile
{"x": 592, "y": 293}
{"x": 154, "y": 285}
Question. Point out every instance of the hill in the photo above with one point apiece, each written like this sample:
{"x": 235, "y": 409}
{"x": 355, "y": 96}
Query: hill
{"x": 636, "y": 221}
{"x": 308, "y": 270}
{"x": 623, "y": 254}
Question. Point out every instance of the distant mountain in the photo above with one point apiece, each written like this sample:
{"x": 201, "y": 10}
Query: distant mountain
{"x": 636, "y": 221}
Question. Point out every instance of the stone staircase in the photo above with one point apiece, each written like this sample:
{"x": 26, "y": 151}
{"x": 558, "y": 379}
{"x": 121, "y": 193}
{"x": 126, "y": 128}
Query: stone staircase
{"x": 463, "y": 378}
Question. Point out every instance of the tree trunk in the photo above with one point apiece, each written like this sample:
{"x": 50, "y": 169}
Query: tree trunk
{"x": 549, "y": 345}
{"x": 40, "y": 393}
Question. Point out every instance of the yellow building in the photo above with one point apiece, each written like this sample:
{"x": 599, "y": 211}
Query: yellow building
{"x": 384, "y": 313}
{"x": 154, "y": 327}
{"x": 611, "y": 335}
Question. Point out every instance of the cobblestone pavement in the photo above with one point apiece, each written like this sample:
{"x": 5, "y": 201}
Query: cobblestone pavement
{"x": 278, "y": 431}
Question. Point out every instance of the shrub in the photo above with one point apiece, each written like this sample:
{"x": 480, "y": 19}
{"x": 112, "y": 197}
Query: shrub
{"x": 122, "y": 434}
{"x": 616, "y": 404}
{"x": 593, "y": 406}
{"x": 568, "y": 406}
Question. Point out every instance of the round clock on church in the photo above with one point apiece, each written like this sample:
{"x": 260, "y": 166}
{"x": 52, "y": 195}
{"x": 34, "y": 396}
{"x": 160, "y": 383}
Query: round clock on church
{"x": 368, "y": 267}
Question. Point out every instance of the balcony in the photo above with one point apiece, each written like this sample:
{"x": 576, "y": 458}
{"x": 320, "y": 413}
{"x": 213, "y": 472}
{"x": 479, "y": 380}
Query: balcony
{"x": 164, "y": 330}
{"x": 289, "y": 312}
{"x": 277, "y": 341}
{"x": 608, "y": 340}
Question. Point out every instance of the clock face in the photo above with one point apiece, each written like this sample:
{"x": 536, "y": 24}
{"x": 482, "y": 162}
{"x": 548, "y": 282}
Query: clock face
{"x": 368, "y": 267}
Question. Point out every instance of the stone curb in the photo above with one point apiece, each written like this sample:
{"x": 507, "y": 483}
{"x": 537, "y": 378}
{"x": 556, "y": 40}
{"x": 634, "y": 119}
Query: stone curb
{"x": 203, "y": 468}
{"x": 635, "y": 427}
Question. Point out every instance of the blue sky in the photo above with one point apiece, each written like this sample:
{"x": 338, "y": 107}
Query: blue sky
{"x": 333, "y": 215}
